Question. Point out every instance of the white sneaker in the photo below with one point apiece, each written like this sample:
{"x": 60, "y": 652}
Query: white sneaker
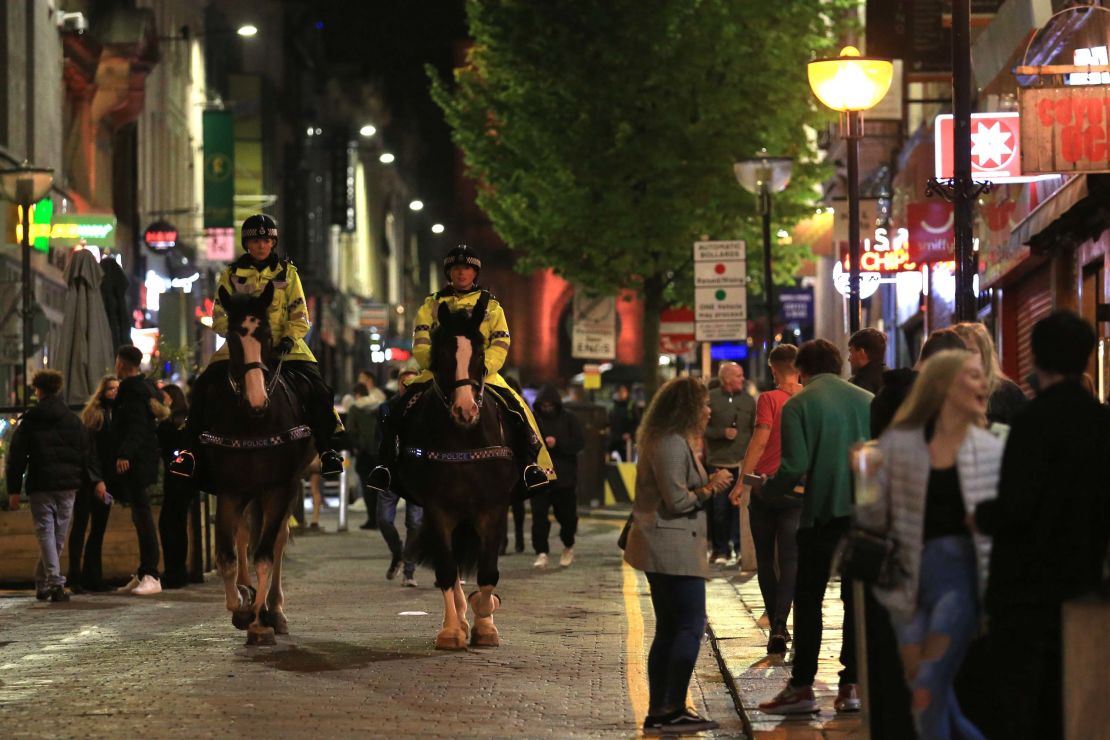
{"x": 131, "y": 586}
{"x": 567, "y": 557}
{"x": 541, "y": 561}
{"x": 148, "y": 587}
{"x": 409, "y": 582}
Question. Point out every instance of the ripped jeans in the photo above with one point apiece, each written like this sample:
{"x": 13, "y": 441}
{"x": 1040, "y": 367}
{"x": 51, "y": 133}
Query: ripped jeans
{"x": 937, "y": 637}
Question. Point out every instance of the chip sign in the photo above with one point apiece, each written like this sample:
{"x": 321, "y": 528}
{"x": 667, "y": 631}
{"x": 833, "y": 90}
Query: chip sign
{"x": 160, "y": 236}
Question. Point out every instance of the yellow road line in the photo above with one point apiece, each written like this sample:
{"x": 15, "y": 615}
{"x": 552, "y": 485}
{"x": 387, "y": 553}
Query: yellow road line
{"x": 635, "y": 663}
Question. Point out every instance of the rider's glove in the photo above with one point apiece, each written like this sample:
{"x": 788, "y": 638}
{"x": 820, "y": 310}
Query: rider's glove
{"x": 285, "y": 346}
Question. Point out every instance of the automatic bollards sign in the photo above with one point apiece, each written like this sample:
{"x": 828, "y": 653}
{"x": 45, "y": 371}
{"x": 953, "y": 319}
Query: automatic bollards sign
{"x": 593, "y": 327}
{"x": 720, "y": 291}
{"x": 1065, "y": 129}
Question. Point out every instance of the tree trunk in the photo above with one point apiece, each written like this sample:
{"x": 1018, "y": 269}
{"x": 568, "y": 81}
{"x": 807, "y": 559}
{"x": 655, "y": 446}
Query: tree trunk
{"x": 653, "y": 307}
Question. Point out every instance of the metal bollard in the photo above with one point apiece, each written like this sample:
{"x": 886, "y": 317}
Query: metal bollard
{"x": 343, "y": 496}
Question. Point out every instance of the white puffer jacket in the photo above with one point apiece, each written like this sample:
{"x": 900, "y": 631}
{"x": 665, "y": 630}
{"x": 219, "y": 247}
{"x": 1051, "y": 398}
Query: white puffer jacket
{"x": 903, "y": 483}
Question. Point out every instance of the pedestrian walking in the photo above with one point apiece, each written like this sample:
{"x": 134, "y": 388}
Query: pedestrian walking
{"x": 90, "y": 511}
{"x": 939, "y": 463}
{"x": 401, "y": 556}
{"x": 897, "y": 383}
{"x": 373, "y": 392}
{"x": 726, "y": 440}
{"x": 51, "y": 446}
{"x": 819, "y": 427}
{"x": 667, "y": 541}
{"x": 134, "y": 445}
{"x": 624, "y": 420}
{"x": 774, "y": 519}
{"x": 866, "y": 350}
{"x": 178, "y": 494}
{"x": 1050, "y": 525}
{"x": 1006, "y": 396}
{"x": 563, "y": 435}
{"x": 364, "y": 437}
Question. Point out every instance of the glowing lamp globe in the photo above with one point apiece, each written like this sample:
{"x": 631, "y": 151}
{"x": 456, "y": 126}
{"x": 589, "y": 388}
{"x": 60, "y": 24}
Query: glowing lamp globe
{"x": 764, "y": 171}
{"x": 850, "y": 82}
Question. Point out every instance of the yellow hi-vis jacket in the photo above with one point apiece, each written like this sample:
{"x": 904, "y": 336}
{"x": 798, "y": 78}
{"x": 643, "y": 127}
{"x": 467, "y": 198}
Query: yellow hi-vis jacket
{"x": 288, "y": 313}
{"x": 495, "y": 329}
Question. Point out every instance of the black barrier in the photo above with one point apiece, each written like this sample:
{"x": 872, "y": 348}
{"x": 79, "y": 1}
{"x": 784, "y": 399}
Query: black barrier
{"x": 591, "y": 463}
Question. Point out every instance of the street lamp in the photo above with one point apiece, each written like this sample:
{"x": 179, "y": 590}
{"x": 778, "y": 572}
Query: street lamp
{"x": 26, "y": 185}
{"x": 762, "y": 176}
{"x": 851, "y": 84}
{"x": 386, "y": 158}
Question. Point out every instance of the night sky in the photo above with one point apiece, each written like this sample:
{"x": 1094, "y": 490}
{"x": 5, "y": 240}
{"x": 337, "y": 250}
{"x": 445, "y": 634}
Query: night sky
{"x": 389, "y": 42}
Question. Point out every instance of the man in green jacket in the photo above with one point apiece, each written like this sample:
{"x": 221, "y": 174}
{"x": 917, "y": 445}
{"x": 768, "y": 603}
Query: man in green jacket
{"x": 820, "y": 424}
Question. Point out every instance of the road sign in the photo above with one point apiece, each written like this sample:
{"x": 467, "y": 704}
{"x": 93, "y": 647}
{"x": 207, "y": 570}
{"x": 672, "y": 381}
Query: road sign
{"x": 676, "y": 331}
{"x": 593, "y": 327}
{"x": 720, "y": 291}
{"x": 373, "y": 315}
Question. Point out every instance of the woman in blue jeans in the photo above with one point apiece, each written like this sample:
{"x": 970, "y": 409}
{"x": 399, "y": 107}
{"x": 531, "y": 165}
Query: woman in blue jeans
{"x": 667, "y": 541}
{"x": 938, "y": 463}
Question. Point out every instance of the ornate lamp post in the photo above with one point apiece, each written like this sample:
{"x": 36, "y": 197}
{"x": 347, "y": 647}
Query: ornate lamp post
{"x": 26, "y": 185}
{"x": 763, "y": 175}
{"x": 851, "y": 84}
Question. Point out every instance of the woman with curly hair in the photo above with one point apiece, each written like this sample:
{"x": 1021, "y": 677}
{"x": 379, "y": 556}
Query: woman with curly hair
{"x": 85, "y": 567}
{"x": 667, "y": 540}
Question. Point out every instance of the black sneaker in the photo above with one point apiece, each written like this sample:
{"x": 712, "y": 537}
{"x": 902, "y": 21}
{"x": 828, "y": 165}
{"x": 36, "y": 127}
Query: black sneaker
{"x": 184, "y": 464}
{"x": 777, "y": 644}
{"x": 368, "y": 525}
{"x": 331, "y": 463}
{"x": 42, "y": 594}
{"x": 394, "y": 569}
{"x": 379, "y": 479}
{"x": 58, "y": 593}
{"x": 678, "y": 723}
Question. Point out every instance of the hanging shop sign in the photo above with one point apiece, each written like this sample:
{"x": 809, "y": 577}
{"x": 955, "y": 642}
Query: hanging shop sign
{"x": 160, "y": 236}
{"x": 996, "y": 148}
{"x": 219, "y": 244}
{"x": 1065, "y": 129}
{"x": 219, "y": 168}
{"x": 720, "y": 291}
{"x": 932, "y": 230}
{"x": 886, "y": 251}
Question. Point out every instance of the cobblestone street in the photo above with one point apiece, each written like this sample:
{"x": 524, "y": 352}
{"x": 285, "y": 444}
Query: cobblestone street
{"x": 571, "y": 662}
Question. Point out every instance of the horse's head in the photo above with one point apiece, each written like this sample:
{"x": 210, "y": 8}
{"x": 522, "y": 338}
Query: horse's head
{"x": 249, "y": 340}
{"x": 458, "y": 360}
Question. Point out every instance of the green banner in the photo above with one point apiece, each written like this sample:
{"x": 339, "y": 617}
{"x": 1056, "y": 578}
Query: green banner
{"x": 219, "y": 169}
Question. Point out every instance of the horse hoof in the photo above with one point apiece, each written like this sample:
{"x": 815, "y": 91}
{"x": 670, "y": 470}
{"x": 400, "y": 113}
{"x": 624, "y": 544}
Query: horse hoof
{"x": 451, "y": 640}
{"x": 275, "y": 619}
{"x": 242, "y": 619}
{"x": 485, "y": 637}
{"x": 260, "y": 636}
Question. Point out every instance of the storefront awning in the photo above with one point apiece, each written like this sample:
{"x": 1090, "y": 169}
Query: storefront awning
{"x": 1048, "y": 212}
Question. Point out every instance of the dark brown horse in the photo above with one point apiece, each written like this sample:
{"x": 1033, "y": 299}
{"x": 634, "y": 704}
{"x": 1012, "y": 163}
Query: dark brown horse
{"x": 457, "y": 461}
{"x": 256, "y": 451}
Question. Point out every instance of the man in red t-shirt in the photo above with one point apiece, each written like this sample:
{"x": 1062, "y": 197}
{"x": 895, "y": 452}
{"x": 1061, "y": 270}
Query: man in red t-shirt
{"x": 774, "y": 519}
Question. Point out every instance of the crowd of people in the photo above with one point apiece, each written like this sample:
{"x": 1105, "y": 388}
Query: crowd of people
{"x": 992, "y": 504}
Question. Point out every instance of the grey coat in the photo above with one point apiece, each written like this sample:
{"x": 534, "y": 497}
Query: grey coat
{"x": 903, "y": 481}
{"x": 668, "y": 523}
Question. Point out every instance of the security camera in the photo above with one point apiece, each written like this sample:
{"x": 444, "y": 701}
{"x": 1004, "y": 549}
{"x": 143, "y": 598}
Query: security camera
{"x": 72, "y": 23}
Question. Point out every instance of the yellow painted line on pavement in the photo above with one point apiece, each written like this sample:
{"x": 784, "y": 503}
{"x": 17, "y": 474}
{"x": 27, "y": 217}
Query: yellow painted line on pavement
{"x": 635, "y": 663}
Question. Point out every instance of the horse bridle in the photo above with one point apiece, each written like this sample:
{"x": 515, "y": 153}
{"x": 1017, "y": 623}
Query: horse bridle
{"x": 275, "y": 378}
{"x": 478, "y": 385}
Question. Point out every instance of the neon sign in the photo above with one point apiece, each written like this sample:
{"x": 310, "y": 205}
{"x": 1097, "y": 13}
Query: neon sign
{"x": 883, "y": 254}
{"x": 69, "y": 230}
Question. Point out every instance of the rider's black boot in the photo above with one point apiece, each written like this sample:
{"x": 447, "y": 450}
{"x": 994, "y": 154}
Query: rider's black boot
{"x": 184, "y": 464}
{"x": 331, "y": 463}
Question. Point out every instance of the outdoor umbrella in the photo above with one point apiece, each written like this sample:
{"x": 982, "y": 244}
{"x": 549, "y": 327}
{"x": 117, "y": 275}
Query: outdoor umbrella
{"x": 84, "y": 351}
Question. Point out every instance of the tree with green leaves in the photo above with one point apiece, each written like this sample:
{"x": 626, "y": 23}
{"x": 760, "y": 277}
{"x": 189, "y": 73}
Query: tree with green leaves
{"x": 603, "y": 133}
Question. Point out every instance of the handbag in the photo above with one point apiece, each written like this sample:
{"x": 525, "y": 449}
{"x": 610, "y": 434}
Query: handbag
{"x": 622, "y": 540}
{"x": 869, "y": 558}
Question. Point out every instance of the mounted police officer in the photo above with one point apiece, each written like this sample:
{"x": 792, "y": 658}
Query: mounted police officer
{"x": 462, "y": 266}
{"x": 289, "y": 323}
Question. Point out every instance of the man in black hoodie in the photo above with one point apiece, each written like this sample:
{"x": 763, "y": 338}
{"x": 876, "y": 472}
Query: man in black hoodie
{"x": 134, "y": 437}
{"x": 1050, "y": 524}
{"x": 563, "y": 435}
{"x": 52, "y": 446}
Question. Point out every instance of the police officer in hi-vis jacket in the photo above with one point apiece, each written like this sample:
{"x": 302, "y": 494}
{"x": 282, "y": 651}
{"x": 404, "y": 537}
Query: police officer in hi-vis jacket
{"x": 461, "y": 267}
{"x": 289, "y": 323}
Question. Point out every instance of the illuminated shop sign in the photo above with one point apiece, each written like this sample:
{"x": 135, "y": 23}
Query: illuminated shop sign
{"x": 1090, "y": 57}
{"x": 160, "y": 236}
{"x": 69, "y": 230}
{"x": 883, "y": 254}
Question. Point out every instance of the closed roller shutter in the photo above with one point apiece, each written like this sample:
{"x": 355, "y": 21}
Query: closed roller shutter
{"x": 1033, "y": 301}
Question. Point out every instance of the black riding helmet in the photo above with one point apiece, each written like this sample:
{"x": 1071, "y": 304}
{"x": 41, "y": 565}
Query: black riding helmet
{"x": 462, "y": 255}
{"x": 259, "y": 226}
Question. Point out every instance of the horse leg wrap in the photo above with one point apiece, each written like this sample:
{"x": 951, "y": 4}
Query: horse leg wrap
{"x": 475, "y": 598}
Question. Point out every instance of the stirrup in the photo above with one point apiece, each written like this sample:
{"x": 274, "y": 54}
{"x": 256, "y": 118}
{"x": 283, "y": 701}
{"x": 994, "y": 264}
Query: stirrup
{"x": 534, "y": 477}
{"x": 331, "y": 463}
{"x": 184, "y": 464}
{"x": 379, "y": 480}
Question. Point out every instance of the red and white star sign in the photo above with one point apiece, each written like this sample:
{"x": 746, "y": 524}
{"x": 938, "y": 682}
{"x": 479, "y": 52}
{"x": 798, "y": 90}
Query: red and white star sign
{"x": 995, "y": 147}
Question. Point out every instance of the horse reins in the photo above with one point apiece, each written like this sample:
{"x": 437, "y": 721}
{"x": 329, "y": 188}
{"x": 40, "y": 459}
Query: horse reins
{"x": 269, "y": 388}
